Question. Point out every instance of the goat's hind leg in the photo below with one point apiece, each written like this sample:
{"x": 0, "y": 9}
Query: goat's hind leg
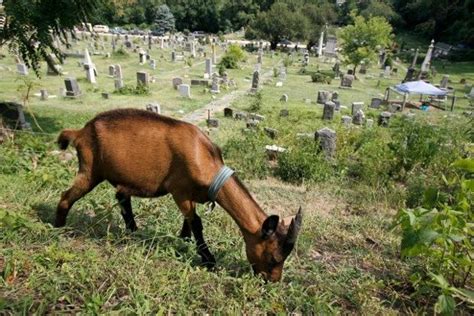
{"x": 126, "y": 210}
{"x": 83, "y": 184}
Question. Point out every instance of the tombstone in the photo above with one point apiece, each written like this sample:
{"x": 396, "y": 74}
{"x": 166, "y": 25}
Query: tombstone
{"x": 363, "y": 68}
{"x": 328, "y": 111}
{"x": 327, "y": 141}
{"x": 394, "y": 107}
{"x": 282, "y": 74}
{"x": 162, "y": 43}
{"x": 375, "y": 103}
{"x": 336, "y": 69}
{"x": 200, "y": 82}
{"x": 284, "y": 113}
{"x": 128, "y": 44}
{"x": 12, "y": 116}
{"x": 72, "y": 88}
{"x": 387, "y": 71}
{"x": 215, "y": 83}
{"x": 173, "y": 56}
{"x": 192, "y": 49}
{"x": 208, "y": 71}
{"x": 257, "y": 117}
{"x": 184, "y": 90}
{"x": 471, "y": 94}
{"x": 228, "y": 112}
{"x": 271, "y": 132}
{"x": 176, "y": 82}
{"x": 153, "y": 64}
{"x": 240, "y": 116}
{"x": 284, "y": 98}
{"x": 44, "y": 95}
{"x": 444, "y": 82}
{"x": 142, "y": 57}
{"x": 320, "y": 44}
{"x": 426, "y": 65}
{"x": 118, "y": 78}
{"x": 346, "y": 81}
{"x": 154, "y": 107}
{"x": 384, "y": 119}
{"x": 22, "y": 70}
{"x": 346, "y": 120}
{"x": 212, "y": 122}
{"x": 112, "y": 70}
{"x": 252, "y": 124}
{"x": 369, "y": 123}
{"x": 113, "y": 44}
{"x": 105, "y": 95}
{"x": 142, "y": 78}
{"x": 323, "y": 97}
{"x": 273, "y": 151}
{"x": 90, "y": 73}
{"x": 305, "y": 59}
{"x": 410, "y": 76}
{"x": 51, "y": 72}
{"x": 415, "y": 58}
{"x": 331, "y": 44}
{"x": 356, "y": 106}
{"x": 255, "y": 82}
{"x": 358, "y": 118}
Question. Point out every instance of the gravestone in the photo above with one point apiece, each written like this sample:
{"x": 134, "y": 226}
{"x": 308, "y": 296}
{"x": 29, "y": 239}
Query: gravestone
{"x": 346, "y": 120}
{"x": 328, "y": 111}
{"x": 356, "y": 106}
{"x": 284, "y": 98}
{"x": 173, "y": 56}
{"x": 358, "y": 118}
{"x": 410, "y": 76}
{"x": 44, "y": 95}
{"x": 271, "y": 132}
{"x": 375, "y": 103}
{"x": 128, "y": 44}
{"x": 112, "y": 70}
{"x": 185, "y": 90}
{"x": 324, "y": 96}
{"x": 142, "y": 57}
{"x": 255, "y": 82}
{"x": 153, "y": 64}
{"x": 384, "y": 119}
{"x": 215, "y": 83}
{"x": 176, "y": 82}
{"x": 13, "y": 116}
{"x": 252, "y": 124}
{"x": 22, "y": 70}
{"x": 142, "y": 78}
{"x": 471, "y": 94}
{"x": 331, "y": 44}
{"x": 284, "y": 113}
{"x": 387, "y": 71}
{"x": 212, "y": 122}
{"x": 327, "y": 141}
{"x": 346, "y": 81}
{"x": 369, "y": 122}
{"x": 118, "y": 78}
{"x": 444, "y": 82}
{"x": 72, "y": 88}
{"x": 257, "y": 117}
{"x": 154, "y": 107}
{"x": 273, "y": 151}
{"x": 200, "y": 82}
{"x": 105, "y": 95}
{"x": 90, "y": 73}
{"x": 363, "y": 69}
{"x": 208, "y": 70}
{"x": 228, "y": 112}
{"x": 51, "y": 72}
{"x": 240, "y": 116}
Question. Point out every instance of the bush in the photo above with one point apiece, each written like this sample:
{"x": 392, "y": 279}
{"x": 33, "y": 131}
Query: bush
{"x": 120, "y": 53}
{"x": 320, "y": 78}
{"x": 232, "y": 57}
{"x": 131, "y": 90}
{"x": 256, "y": 104}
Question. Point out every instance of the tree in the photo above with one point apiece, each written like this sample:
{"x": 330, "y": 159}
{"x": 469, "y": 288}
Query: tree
{"x": 164, "y": 19}
{"x": 318, "y": 15}
{"x": 362, "y": 40}
{"x": 31, "y": 27}
{"x": 279, "y": 23}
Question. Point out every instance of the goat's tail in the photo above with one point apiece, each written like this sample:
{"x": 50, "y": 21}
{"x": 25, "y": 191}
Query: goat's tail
{"x": 67, "y": 136}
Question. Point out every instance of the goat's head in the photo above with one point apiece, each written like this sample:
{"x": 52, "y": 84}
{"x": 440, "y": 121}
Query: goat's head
{"x": 275, "y": 243}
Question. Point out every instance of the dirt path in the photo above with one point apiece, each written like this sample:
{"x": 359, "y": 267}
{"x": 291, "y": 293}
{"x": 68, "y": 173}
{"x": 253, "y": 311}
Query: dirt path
{"x": 217, "y": 105}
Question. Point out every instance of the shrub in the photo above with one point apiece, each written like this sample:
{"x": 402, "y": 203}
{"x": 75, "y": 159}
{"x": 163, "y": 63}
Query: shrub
{"x": 319, "y": 77}
{"x": 256, "y": 104}
{"x": 121, "y": 53}
{"x": 232, "y": 57}
{"x": 133, "y": 90}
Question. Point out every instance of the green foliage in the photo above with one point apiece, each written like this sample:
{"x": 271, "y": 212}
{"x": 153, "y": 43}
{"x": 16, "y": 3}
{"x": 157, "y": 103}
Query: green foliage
{"x": 121, "y": 52}
{"x": 133, "y": 90}
{"x": 164, "y": 19}
{"x": 232, "y": 57}
{"x": 362, "y": 39}
{"x": 257, "y": 101}
{"x": 441, "y": 235}
{"x": 320, "y": 77}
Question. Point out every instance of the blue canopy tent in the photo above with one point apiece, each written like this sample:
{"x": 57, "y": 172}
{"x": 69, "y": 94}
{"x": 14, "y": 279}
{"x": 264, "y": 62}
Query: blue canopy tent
{"x": 420, "y": 88}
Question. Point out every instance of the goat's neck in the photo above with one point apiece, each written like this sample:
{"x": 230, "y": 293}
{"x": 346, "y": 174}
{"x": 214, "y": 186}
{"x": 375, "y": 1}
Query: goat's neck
{"x": 241, "y": 206}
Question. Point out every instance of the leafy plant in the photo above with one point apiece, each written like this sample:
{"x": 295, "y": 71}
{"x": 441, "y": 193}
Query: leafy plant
{"x": 232, "y": 57}
{"x": 320, "y": 78}
{"x": 442, "y": 235}
{"x": 256, "y": 104}
{"x": 133, "y": 90}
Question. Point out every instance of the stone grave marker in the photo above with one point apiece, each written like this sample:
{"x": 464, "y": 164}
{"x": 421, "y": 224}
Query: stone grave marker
{"x": 273, "y": 151}
{"x": 359, "y": 117}
{"x": 384, "y": 119}
{"x": 154, "y": 107}
{"x": 252, "y": 123}
{"x": 346, "y": 81}
{"x": 327, "y": 141}
{"x": 240, "y": 116}
{"x": 369, "y": 122}
{"x": 444, "y": 82}
{"x": 215, "y": 83}
{"x": 255, "y": 116}
{"x": 184, "y": 90}
{"x": 72, "y": 88}
{"x": 142, "y": 78}
{"x": 255, "y": 82}
{"x": 328, "y": 111}
{"x": 105, "y": 95}
{"x": 323, "y": 96}
{"x": 112, "y": 70}
{"x": 228, "y": 112}
{"x": 271, "y": 132}
{"x": 22, "y": 70}
{"x": 212, "y": 122}
{"x": 284, "y": 113}
{"x": 387, "y": 71}
{"x": 44, "y": 95}
{"x": 176, "y": 82}
{"x": 346, "y": 120}
{"x": 375, "y": 103}
{"x": 153, "y": 64}
{"x": 284, "y": 98}
{"x": 208, "y": 70}
{"x": 357, "y": 106}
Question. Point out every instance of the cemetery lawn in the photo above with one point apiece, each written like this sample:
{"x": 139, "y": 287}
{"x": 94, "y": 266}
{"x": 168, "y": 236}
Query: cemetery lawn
{"x": 347, "y": 259}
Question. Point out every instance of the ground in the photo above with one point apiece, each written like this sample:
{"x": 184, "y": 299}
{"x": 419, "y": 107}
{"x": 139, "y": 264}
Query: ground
{"x": 347, "y": 259}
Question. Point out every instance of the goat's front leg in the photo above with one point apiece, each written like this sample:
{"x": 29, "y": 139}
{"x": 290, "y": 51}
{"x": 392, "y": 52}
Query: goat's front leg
{"x": 126, "y": 210}
{"x": 188, "y": 208}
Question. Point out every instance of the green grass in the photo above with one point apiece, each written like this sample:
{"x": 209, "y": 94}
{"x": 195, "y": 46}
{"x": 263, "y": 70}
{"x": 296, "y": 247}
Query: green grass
{"x": 347, "y": 258}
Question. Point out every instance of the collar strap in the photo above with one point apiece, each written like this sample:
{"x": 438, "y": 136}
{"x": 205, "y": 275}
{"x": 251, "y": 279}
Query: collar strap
{"x": 218, "y": 182}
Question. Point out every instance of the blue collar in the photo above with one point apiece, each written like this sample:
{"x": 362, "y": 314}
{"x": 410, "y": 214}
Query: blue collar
{"x": 218, "y": 182}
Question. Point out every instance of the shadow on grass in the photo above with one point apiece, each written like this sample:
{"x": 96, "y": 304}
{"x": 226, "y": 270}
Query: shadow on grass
{"x": 47, "y": 124}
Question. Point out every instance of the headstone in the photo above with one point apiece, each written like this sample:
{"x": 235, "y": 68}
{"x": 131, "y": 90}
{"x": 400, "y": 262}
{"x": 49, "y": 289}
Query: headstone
{"x": 425, "y": 66}
{"x": 255, "y": 82}
{"x": 153, "y": 64}
{"x": 328, "y": 111}
{"x": 105, "y": 95}
{"x": 323, "y": 97}
{"x": 387, "y": 71}
{"x": 358, "y": 118}
{"x": 112, "y": 70}
{"x": 415, "y": 58}
{"x": 369, "y": 122}
{"x": 410, "y": 76}
{"x": 240, "y": 116}
{"x": 257, "y": 117}
{"x": 346, "y": 120}
{"x": 154, "y": 107}
{"x": 363, "y": 68}
{"x": 273, "y": 151}
{"x": 215, "y": 83}
{"x": 214, "y": 55}
{"x": 212, "y": 122}
{"x": 142, "y": 78}
{"x": 320, "y": 45}
{"x": 176, "y": 82}
{"x": 471, "y": 94}
{"x": 384, "y": 119}
{"x": 72, "y": 88}
{"x": 185, "y": 90}
{"x": 22, "y": 70}
{"x": 444, "y": 82}
{"x": 208, "y": 71}
{"x": 128, "y": 44}
{"x": 12, "y": 116}
{"x": 228, "y": 112}
{"x": 90, "y": 73}
{"x": 200, "y": 82}
{"x": 173, "y": 56}
{"x": 118, "y": 78}
{"x": 271, "y": 132}
{"x": 346, "y": 81}
{"x": 331, "y": 44}
{"x": 356, "y": 106}
{"x": 44, "y": 95}
{"x": 327, "y": 141}
{"x": 284, "y": 98}
{"x": 375, "y": 103}
{"x": 252, "y": 123}
{"x": 284, "y": 113}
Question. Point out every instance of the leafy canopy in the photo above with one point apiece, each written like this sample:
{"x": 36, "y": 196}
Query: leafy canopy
{"x": 362, "y": 39}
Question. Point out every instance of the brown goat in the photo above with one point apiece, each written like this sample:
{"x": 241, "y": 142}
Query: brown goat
{"x": 149, "y": 155}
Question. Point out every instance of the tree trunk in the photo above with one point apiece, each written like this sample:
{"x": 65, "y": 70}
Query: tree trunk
{"x": 273, "y": 45}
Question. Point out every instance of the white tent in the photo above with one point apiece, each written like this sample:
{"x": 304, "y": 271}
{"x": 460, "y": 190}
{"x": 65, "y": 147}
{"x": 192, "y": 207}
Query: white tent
{"x": 420, "y": 87}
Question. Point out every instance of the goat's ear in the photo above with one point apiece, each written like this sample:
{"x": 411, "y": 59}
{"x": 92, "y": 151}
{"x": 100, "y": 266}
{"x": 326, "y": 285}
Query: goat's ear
{"x": 269, "y": 226}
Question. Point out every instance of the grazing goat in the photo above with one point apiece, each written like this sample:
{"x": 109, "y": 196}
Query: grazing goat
{"x": 145, "y": 154}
